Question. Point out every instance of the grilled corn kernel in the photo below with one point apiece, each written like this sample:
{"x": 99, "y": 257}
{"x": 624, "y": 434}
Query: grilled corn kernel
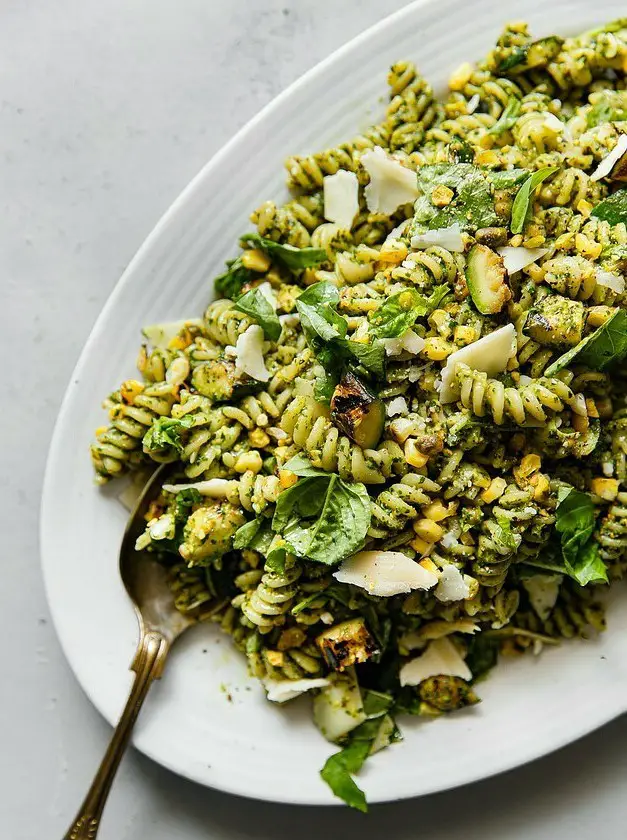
{"x": 101, "y": 430}
{"x": 536, "y": 241}
{"x": 421, "y": 546}
{"x": 287, "y": 478}
{"x": 258, "y": 438}
{"x": 249, "y": 461}
{"x": 429, "y": 565}
{"x": 598, "y": 315}
{"x": 584, "y": 207}
{"x": 256, "y": 260}
{"x": 428, "y": 530}
{"x": 587, "y": 247}
{"x": 516, "y": 240}
{"x": 437, "y": 349}
{"x": 487, "y": 157}
{"x": 541, "y": 485}
{"x": 413, "y": 455}
{"x": 441, "y": 195}
{"x": 436, "y": 511}
{"x": 494, "y": 491}
{"x": 580, "y": 423}
{"x": 605, "y": 488}
{"x": 460, "y": 78}
{"x": 464, "y": 334}
{"x": 276, "y": 658}
{"x": 591, "y": 408}
{"x": 130, "y": 389}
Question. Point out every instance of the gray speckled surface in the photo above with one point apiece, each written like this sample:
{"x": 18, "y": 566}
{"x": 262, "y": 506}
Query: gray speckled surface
{"x": 106, "y": 112}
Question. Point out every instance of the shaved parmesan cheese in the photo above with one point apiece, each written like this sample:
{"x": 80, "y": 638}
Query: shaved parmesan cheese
{"x": 391, "y": 184}
{"x": 338, "y": 708}
{"x": 543, "y": 591}
{"x": 398, "y": 231}
{"x": 214, "y": 488}
{"x": 384, "y": 573}
{"x": 449, "y": 540}
{"x": 397, "y": 406}
{"x": 441, "y": 658}
{"x": 436, "y": 630}
{"x": 611, "y": 281}
{"x": 409, "y": 341}
{"x": 162, "y": 528}
{"x": 515, "y": 259}
{"x": 292, "y": 319}
{"x": 280, "y": 691}
{"x": 609, "y": 161}
{"x": 447, "y": 237}
{"x": 266, "y": 291}
{"x": 160, "y": 335}
{"x": 452, "y": 585}
{"x": 473, "y": 103}
{"x": 249, "y": 354}
{"x": 341, "y": 198}
{"x": 490, "y": 354}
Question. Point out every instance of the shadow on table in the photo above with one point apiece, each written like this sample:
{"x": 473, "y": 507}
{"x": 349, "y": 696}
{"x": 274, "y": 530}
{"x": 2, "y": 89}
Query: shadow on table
{"x": 548, "y": 792}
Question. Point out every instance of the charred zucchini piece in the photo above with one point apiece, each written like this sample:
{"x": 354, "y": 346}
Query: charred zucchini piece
{"x": 346, "y": 644}
{"x": 447, "y": 693}
{"x": 493, "y": 237}
{"x": 220, "y": 381}
{"x": 556, "y": 321}
{"x": 485, "y": 275}
{"x": 357, "y": 412}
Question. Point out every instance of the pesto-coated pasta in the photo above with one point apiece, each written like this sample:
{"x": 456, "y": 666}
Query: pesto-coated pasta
{"x": 399, "y": 433}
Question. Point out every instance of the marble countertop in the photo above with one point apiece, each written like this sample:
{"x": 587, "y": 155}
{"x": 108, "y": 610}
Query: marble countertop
{"x": 107, "y": 110}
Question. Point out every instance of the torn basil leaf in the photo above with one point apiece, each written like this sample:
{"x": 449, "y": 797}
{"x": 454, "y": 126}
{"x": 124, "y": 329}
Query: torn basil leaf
{"x": 257, "y": 305}
{"x": 399, "y": 312}
{"x": 472, "y": 205}
{"x": 522, "y": 203}
{"x": 231, "y": 282}
{"x": 508, "y": 118}
{"x": 291, "y": 257}
{"x": 612, "y": 209}
{"x": 603, "y": 348}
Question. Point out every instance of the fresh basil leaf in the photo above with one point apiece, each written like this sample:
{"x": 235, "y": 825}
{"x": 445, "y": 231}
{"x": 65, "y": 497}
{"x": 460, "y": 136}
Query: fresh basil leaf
{"x": 461, "y": 152}
{"x": 612, "y": 209}
{"x": 376, "y": 703}
{"x": 517, "y": 56}
{"x": 303, "y": 468}
{"x": 291, "y": 257}
{"x": 603, "y": 348}
{"x": 504, "y": 534}
{"x": 369, "y": 356}
{"x": 506, "y": 178}
{"x": 472, "y": 206}
{"x": 483, "y": 653}
{"x": 399, "y": 312}
{"x": 257, "y": 305}
{"x": 184, "y": 500}
{"x": 259, "y": 536}
{"x": 575, "y": 523}
{"x": 508, "y": 117}
{"x": 323, "y": 518}
{"x": 245, "y": 534}
{"x": 230, "y": 284}
{"x": 318, "y": 317}
{"x": 606, "y": 109}
{"x": 337, "y": 773}
{"x": 166, "y": 434}
{"x": 522, "y": 202}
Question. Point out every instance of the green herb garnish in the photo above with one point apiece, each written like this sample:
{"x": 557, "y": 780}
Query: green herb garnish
{"x": 257, "y": 305}
{"x": 522, "y": 203}
{"x": 600, "y": 350}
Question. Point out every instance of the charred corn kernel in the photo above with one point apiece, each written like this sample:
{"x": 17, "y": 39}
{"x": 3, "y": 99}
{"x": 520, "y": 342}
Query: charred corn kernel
{"x": 402, "y": 428}
{"x": 534, "y": 241}
{"x": 275, "y": 657}
{"x": 393, "y": 252}
{"x": 541, "y": 485}
{"x": 436, "y": 511}
{"x": 598, "y": 315}
{"x": 437, "y": 349}
{"x": 441, "y": 195}
{"x": 429, "y": 565}
{"x": 251, "y": 558}
{"x": 182, "y": 340}
{"x": 494, "y": 491}
{"x": 101, "y": 430}
{"x": 605, "y": 488}
{"x": 580, "y": 423}
{"x": 584, "y": 207}
{"x": 413, "y": 455}
{"x": 460, "y": 77}
{"x": 256, "y": 260}
{"x": 130, "y": 389}
{"x": 310, "y": 276}
{"x": 258, "y": 438}
{"x": 591, "y": 408}
{"x": 604, "y": 407}
{"x": 421, "y": 546}
{"x": 464, "y": 334}
{"x": 528, "y": 465}
{"x": 587, "y": 247}
{"x": 516, "y": 241}
{"x": 291, "y": 638}
{"x": 564, "y": 241}
{"x": 487, "y": 157}
{"x": 287, "y": 478}
{"x": 428, "y": 530}
{"x": 536, "y": 272}
{"x": 249, "y": 461}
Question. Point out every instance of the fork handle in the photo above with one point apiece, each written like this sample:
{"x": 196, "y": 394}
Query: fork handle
{"x": 148, "y": 664}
